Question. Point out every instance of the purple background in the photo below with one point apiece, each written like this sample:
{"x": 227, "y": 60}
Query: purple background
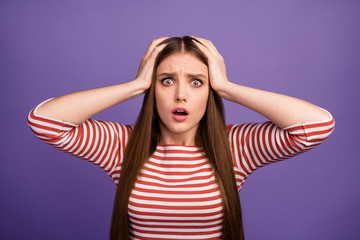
{"x": 307, "y": 49}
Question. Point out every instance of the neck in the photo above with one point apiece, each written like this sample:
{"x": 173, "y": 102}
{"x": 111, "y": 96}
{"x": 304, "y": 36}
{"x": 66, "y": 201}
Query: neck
{"x": 172, "y": 138}
{"x": 176, "y": 139}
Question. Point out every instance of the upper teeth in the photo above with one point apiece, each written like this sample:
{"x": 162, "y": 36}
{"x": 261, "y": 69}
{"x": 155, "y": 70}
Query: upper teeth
{"x": 180, "y": 111}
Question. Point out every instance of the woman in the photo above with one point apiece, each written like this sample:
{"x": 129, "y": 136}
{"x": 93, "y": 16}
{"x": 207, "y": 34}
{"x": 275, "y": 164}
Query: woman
{"x": 181, "y": 166}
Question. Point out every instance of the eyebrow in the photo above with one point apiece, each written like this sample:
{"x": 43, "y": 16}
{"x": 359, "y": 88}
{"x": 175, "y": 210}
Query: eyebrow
{"x": 199, "y": 75}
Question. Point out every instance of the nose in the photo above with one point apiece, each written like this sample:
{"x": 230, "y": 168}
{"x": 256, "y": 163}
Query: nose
{"x": 181, "y": 99}
{"x": 181, "y": 95}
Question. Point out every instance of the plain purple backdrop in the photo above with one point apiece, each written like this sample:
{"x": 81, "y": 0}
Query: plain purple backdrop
{"x": 307, "y": 49}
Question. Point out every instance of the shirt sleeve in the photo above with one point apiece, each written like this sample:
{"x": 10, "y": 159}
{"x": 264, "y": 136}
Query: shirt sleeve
{"x": 100, "y": 142}
{"x": 257, "y": 144}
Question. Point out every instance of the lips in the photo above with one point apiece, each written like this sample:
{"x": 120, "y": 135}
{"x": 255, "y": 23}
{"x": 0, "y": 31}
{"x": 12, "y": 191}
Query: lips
{"x": 180, "y": 114}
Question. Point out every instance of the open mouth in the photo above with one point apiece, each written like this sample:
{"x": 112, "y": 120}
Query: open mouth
{"x": 180, "y": 114}
{"x": 180, "y": 111}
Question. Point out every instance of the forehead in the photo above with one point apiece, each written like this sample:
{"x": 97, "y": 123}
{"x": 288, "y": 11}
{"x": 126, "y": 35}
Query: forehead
{"x": 182, "y": 63}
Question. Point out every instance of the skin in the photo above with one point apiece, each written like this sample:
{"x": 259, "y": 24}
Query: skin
{"x": 283, "y": 110}
{"x": 181, "y": 81}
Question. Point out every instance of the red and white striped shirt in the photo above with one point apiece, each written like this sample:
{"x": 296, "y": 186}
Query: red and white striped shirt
{"x": 176, "y": 196}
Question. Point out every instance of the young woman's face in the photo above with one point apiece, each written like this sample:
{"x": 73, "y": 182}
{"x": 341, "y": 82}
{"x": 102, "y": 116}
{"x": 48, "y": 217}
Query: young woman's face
{"x": 181, "y": 93}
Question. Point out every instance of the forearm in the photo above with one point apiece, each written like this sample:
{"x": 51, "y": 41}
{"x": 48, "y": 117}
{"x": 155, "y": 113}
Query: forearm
{"x": 79, "y": 106}
{"x": 283, "y": 110}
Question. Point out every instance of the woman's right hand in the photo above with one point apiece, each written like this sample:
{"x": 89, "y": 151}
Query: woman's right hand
{"x": 77, "y": 107}
{"x": 145, "y": 72}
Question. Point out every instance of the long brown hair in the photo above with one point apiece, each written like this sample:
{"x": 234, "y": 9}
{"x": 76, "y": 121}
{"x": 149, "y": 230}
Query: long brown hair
{"x": 211, "y": 136}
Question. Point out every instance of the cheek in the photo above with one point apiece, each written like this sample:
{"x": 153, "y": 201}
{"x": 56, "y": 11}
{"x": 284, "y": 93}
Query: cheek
{"x": 160, "y": 92}
{"x": 160, "y": 101}
{"x": 202, "y": 101}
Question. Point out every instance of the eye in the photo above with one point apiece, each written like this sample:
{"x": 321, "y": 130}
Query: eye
{"x": 196, "y": 83}
{"x": 167, "y": 81}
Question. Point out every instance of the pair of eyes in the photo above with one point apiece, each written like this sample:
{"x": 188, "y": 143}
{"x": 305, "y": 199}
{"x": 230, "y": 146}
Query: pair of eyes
{"x": 169, "y": 81}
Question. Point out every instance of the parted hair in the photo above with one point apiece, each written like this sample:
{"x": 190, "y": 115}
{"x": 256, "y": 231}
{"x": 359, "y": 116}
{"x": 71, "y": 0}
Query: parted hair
{"x": 211, "y": 136}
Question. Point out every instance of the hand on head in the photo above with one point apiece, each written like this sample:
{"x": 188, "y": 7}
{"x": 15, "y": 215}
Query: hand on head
{"x": 144, "y": 74}
{"x": 217, "y": 69}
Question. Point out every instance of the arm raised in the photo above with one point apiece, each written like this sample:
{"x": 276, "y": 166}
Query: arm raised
{"x": 282, "y": 110}
{"x": 79, "y": 106}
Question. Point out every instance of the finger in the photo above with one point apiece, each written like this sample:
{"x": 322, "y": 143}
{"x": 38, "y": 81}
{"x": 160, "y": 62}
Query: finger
{"x": 208, "y": 44}
{"x": 148, "y": 63}
{"x": 148, "y": 60}
{"x": 156, "y": 51}
{"x": 203, "y": 48}
{"x": 154, "y": 43}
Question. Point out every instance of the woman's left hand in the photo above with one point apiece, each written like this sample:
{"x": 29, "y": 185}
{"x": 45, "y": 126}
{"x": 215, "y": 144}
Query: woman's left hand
{"x": 283, "y": 110}
{"x": 217, "y": 69}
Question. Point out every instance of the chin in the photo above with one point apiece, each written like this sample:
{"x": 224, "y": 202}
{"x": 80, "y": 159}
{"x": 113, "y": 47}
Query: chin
{"x": 180, "y": 128}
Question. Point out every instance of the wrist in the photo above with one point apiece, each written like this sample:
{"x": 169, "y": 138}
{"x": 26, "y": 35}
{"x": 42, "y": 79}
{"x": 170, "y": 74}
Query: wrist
{"x": 139, "y": 86}
{"x": 224, "y": 89}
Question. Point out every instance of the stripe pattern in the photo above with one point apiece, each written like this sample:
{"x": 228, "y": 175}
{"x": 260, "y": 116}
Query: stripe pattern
{"x": 176, "y": 196}
{"x": 102, "y": 143}
{"x": 257, "y": 144}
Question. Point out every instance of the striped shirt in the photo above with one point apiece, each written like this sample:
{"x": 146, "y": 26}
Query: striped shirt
{"x": 176, "y": 196}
